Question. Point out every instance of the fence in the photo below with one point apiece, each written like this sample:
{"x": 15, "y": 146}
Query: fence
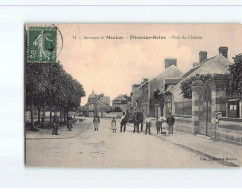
{"x": 183, "y": 108}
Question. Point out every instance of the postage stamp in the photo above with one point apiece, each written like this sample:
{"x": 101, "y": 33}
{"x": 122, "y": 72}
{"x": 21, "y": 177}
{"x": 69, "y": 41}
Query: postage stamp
{"x": 42, "y": 44}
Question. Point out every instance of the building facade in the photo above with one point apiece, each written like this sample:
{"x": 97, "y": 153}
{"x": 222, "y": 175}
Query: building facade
{"x": 210, "y": 111}
{"x": 97, "y": 104}
{"x": 123, "y": 102}
{"x": 142, "y": 95}
{"x": 207, "y": 112}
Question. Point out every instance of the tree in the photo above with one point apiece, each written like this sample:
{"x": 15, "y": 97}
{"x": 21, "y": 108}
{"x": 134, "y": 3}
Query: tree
{"x": 49, "y": 85}
{"x": 185, "y": 87}
{"x": 36, "y": 86}
{"x": 159, "y": 99}
{"x": 235, "y": 76}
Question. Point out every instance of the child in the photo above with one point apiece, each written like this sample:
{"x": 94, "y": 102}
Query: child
{"x": 158, "y": 125}
{"x": 162, "y": 120}
{"x": 113, "y": 125}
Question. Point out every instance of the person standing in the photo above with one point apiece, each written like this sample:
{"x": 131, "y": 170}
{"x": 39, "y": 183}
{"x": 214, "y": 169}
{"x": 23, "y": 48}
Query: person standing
{"x": 148, "y": 124}
{"x": 162, "y": 119}
{"x": 55, "y": 124}
{"x": 170, "y": 121}
{"x": 123, "y": 123}
{"x": 69, "y": 123}
{"x": 113, "y": 125}
{"x": 136, "y": 121}
{"x": 158, "y": 125}
{"x": 142, "y": 120}
{"x": 96, "y": 122}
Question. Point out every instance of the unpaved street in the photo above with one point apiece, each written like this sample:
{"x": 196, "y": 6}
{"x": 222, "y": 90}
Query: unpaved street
{"x": 88, "y": 148}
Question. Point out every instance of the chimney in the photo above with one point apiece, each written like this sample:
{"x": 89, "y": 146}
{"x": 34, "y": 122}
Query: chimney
{"x": 223, "y": 51}
{"x": 202, "y": 56}
{"x": 135, "y": 86}
{"x": 145, "y": 80}
{"x": 195, "y": 64}
{"x": 170, "y": 61}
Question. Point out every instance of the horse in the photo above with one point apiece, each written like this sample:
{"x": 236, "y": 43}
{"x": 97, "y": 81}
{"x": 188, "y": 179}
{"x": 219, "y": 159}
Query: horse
{"x": 136, "y": 118}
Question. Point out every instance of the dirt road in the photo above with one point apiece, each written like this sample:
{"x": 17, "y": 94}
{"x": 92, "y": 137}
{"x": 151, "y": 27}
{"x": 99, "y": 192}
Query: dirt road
{"x": 88, "y": 148}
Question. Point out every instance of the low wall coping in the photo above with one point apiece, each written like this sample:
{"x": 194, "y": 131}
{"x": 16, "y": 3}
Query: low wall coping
{"x": 230, "y": 119}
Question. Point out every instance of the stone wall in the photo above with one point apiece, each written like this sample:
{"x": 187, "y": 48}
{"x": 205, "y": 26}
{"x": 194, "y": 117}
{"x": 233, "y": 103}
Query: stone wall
{"x": 230, "y": 123}
{"x": 227, "y": 135}
{"x": 183, "y": 124}
{"x": 112, "y": 114}
{"x": 228, "y": 130}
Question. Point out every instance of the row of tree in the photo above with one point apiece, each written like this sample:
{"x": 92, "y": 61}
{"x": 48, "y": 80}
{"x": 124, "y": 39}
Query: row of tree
{"x": 50, "y": 87}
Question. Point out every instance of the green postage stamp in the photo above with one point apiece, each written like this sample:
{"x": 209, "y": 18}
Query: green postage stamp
{"x": 42, "y": 44}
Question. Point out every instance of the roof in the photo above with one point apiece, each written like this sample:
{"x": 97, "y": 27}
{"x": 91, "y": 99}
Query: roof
{"x": 217, "y": 64}
{"x": 170, "y": 72}
{"x": 119, "y": 98}
{"x": 171, "y": 81}
{"x": 103, "y": 102}
{"x": 141, "y": 98}
{"x": 189, "y": 72}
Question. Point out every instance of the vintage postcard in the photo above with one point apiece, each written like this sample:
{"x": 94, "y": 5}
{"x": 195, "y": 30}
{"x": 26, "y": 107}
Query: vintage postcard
{"x": 133, "y": 95}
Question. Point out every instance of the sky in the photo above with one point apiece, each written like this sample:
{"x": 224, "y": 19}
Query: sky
{"x": 112, "y": 66}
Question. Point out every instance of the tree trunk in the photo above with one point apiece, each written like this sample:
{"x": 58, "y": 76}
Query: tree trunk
{"x": 64, "y": 115}
{"x": 39, "y": 114}
{"x": 162, "y": 109}
{"x": 60, "y": 116}
{"x": 32, "y": 113}
{"x": 43, "y": 118}
{"x": 50, "y": 115}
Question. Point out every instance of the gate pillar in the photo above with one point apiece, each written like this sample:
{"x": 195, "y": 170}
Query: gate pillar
{"x": 213, "y": 106}
{"x": 196, "y": 91}
{"x": 219, "y": 96}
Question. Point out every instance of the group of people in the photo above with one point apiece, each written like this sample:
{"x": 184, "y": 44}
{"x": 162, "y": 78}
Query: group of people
{"x": 56, "y": 122}
{"x": 96, "y": 121}
{"x": 122, "y": 124}
{"x": 170, "y": 120}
